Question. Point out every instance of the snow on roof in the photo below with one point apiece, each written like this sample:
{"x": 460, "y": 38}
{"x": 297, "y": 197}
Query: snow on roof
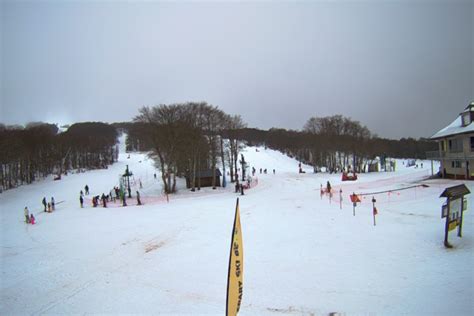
{"x": 456, "y": 127}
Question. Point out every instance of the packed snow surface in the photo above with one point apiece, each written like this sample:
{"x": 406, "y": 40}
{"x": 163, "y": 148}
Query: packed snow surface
{"x": 303, "y": 254}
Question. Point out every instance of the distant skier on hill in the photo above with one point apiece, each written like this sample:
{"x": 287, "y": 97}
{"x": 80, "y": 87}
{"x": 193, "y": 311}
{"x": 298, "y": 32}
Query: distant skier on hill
{"x": 53, "y": 204}
{"x": 86, "y": 189}
{"x": 328, "y": 187}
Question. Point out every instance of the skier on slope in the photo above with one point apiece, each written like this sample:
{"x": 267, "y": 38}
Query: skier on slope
{"x": 44, "y": 203}
{"x": 27, "y": 215}
{"x": 81, "y": 200}
{"x": 52, "y": 203}
{"x": 139, "y": 202}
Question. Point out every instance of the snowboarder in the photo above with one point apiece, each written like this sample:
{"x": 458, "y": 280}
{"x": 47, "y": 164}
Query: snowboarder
{"x": 32, "y": 219}
{"x": 328, "y": 187}
{"x": 138, "y": 199}
{"x": 86, "y": 189}
{"x": 52, "y": 203}
{"x": 81, "y": 200}
{"x": 27, "y": 215}
{"x": 44, "y": 203}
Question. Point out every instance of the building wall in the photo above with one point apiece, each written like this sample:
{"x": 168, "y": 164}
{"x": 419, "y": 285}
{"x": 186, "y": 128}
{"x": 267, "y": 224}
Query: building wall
{"x": 454, "y": 164}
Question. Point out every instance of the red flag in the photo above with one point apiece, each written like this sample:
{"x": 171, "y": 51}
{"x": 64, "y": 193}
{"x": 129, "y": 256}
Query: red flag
{"x": 354, "y": 198}
{"x": 375, "y": 211}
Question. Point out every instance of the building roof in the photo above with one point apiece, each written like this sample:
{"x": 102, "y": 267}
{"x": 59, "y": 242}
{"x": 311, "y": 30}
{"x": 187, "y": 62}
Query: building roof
{"x": 456, "y": 128}
{"x": 455, "y": 192}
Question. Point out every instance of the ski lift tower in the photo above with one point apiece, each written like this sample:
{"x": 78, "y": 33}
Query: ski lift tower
{"x": 244, "y": 165}
{"x": 127, "y": 175}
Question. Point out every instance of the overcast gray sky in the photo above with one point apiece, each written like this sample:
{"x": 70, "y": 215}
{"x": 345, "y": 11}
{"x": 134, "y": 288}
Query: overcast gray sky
{"x": 402, "y": 68}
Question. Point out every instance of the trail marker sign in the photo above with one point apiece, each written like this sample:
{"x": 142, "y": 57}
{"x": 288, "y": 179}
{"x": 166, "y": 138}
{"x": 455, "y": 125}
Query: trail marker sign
{"x": 453, "y": 210}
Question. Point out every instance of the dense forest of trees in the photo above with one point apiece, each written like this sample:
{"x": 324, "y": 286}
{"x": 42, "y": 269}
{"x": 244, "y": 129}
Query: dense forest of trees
{"x": 186, "y": 138}
{"x": 38, "y": 150}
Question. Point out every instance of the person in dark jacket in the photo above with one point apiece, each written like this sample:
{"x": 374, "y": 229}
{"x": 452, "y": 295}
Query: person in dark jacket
{"x": 44, "y": 204}
{"x": 27, "y": 215}
{"x": 81, "y": 200}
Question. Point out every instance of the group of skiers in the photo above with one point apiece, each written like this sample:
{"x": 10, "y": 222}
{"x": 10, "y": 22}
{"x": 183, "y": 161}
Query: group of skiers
{"x": 49, "y": 206}
{"x": 261, "y": 170}
{"x": 114, "y": 195}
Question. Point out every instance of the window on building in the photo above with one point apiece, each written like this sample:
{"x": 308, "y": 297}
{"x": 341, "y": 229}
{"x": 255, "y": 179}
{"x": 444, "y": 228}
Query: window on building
{"x": 442, "y": 144}
{"x": 466, "y": 119}
{"x": 472, "y": 143}
{"x": 456, "y": 164}
{"x": 455, "y": 145}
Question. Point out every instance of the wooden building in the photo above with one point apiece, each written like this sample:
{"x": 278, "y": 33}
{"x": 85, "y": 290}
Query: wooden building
{"x": 456, "y": 146}
{"x": 206, "y": 178}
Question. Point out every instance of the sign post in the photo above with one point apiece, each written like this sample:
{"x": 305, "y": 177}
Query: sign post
{"x": 453, "y": 210}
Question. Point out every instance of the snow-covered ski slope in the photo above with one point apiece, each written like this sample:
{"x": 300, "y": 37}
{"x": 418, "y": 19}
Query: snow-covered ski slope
{"x": 303, "y": 255}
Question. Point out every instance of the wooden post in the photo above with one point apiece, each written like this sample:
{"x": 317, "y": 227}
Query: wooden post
{"x": 340, "y": 199}
{"x": 373, "y": 208}
{"x": 446, "y": 228}
{"x": 460, "y": 220}
{"x": 354, "y": 206}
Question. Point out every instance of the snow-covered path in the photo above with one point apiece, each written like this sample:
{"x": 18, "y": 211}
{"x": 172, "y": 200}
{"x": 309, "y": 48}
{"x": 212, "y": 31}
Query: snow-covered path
{"x": 303, "y": 254}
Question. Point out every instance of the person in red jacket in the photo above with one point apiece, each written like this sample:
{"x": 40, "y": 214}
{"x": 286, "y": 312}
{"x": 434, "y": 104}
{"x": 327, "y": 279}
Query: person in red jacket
{"x": 32, "y": 219}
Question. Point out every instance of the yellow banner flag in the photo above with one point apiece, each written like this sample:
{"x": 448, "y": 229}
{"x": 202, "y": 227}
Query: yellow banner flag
{"x": 236, "y": 268}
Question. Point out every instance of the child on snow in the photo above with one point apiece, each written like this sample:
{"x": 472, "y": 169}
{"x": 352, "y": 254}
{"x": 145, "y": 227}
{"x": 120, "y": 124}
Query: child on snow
{"x": 32, "y": 219}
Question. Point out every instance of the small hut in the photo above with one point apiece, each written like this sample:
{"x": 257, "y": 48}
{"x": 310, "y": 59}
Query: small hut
{"x": 206, "y": 178}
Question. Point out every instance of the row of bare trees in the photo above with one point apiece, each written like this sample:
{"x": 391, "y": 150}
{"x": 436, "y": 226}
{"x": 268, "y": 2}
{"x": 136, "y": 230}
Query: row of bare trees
{"x": 38, "y": 150}
{"x": 187, "y": 138}
{"x": 335, "y": 142}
